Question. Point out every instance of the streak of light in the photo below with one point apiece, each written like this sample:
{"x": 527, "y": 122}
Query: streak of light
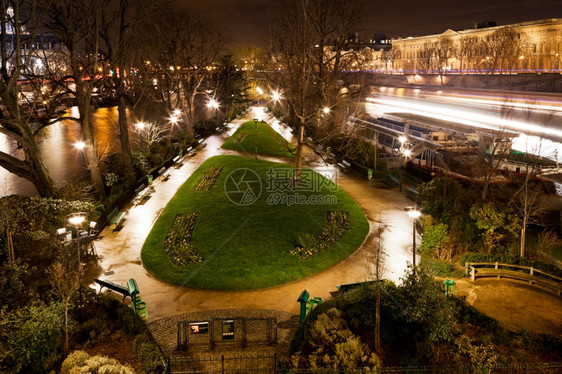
{"x": 477, "y": 120}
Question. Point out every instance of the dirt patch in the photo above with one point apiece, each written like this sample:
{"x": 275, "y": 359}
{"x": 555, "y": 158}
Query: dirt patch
{"x": 517, "y": 306}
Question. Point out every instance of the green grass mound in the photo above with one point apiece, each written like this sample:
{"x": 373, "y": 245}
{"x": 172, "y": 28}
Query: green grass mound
{"x": 268, "y": 140}
{"x": 248, "y": 226}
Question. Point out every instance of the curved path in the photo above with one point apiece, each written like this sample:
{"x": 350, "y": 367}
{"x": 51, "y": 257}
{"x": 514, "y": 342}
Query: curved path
{"x": 120, "y": 251}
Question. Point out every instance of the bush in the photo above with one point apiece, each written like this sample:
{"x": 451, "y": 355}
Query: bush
{"x": 513, "y": 260}
{"x": 148, "y": 353}
{"x": 81, "y": 362}
{"x": 442, "y": 268}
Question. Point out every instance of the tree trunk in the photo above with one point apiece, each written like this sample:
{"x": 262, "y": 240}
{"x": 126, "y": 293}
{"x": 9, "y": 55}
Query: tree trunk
{"x": 65, "y": 305}
{"x": 300, "y": 145}
{"x": 83, "y": 101}
{"x": 378, "y": 320}
{"x": 124, "y": 140}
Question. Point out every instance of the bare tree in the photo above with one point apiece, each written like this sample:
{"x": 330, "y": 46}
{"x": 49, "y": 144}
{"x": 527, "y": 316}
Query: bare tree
{"x": 119, "y": 30}
{"x": 443, "y": 51}
{"x": 183, "y": 47}
{"x": 148, "y": 134}
{"x": 467, "y": 51}
{"x": 376, "y": 270}
{"x": 20, "y": 118}
{"x": 77, "y": 25}
{"x": 425, "y": 57}
{"x": 499, "y": 47}
{"x": 65, "y": 283}
{"x": 310, "y": 45}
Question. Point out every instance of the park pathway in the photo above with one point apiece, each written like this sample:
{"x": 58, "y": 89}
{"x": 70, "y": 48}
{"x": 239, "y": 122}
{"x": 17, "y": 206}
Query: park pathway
{"x": 120, "y": 251}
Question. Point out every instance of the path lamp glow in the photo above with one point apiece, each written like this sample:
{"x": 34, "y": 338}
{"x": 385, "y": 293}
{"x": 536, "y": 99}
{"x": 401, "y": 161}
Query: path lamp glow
{"x": 414, "y": 213}
{"x": 76, "y": 220}
{"x": 80, "y": 145}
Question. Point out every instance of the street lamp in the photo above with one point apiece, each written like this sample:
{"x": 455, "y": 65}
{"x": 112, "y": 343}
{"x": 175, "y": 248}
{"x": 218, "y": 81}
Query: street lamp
{"x": 80, "y": 145}
{"x": 414, "y": 213}
{"x": 76, "y": 220}
{"x": 256, "y": 138}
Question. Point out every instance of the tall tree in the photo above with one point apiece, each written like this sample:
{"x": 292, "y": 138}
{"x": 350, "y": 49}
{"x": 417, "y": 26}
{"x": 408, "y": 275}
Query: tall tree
{"x": 120, "y": 34}
{"x": 310, "y": 43}
{"x": 443, "y": 51}
{"x": 230, "y": 84}
{"x": 20, "y": 119}
{"x": 183, "y": 47}
{"x": 77, "y": 25}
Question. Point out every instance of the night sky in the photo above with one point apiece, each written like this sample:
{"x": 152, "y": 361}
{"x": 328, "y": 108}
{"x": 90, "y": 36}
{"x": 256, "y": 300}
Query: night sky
{"x": 246, "y": 22}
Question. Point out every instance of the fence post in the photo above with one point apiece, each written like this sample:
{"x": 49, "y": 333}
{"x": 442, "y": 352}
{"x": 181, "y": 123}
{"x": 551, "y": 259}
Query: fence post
{"x": 496, "y": 267}
{"x": 222, "y": 364}
{"x": 532, "y": 271}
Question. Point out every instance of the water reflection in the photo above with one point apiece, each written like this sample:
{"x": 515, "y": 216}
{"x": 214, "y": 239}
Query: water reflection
{"x": 64, "y": 161}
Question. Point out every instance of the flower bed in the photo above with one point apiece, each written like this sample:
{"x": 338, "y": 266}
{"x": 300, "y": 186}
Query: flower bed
{"x": 208, "y": 179}
{"x": 337, "y": 225}
{"x": 178, "y": 241}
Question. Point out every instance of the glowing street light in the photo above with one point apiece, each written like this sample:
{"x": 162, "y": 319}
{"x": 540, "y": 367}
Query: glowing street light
{"x": 276, "y": 96}
{"x": 76, "y": 220}
{"x": 414, "y": 213}
{"x": 326, "y": 110}
{"x": 177, "y": 112}
{"x": 140, "y": 125}
{"x": 212, "y": 104}
{"x": 80, "y": 145}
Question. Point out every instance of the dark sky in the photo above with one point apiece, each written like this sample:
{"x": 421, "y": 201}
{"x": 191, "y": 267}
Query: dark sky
{"x": 246, "y": 21}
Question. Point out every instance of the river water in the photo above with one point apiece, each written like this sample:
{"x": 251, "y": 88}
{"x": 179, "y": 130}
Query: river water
{"x": 64, "y": 161}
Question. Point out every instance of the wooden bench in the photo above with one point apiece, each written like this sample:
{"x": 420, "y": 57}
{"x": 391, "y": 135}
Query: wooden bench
{"x": 113, "y": 286}
{"x": 534, "y": 277}
{"x": 142, "y": 193}
{"x": 344, "y": 164}
{"x": 345, "y": 288}
{"x": 164, "y": 174}
{"x": 116, "y": 218}
{"x": 176, "y": 159}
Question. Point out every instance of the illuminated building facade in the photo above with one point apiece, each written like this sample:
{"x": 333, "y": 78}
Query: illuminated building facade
{"x": 534, "y": 46}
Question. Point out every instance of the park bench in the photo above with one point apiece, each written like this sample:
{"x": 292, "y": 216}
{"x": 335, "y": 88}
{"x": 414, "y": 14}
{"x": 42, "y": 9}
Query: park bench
{"x": 113, "y": 286}
{"x": 143, "y": 193}
{"x": 344, "y": 164}
{"x": 345, "y": 288}
{"x": 164, "y": 174}
{"x": 202, "y": 142}
{"x": 116, "y": 218}
{"x": 176, "y": 159}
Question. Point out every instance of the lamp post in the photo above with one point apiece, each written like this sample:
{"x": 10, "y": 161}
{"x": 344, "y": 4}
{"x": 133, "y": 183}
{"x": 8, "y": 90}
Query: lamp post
{"x": 414, "y": 213}
{"x": 256, "y": 138}
{"x": 76, "y": 220}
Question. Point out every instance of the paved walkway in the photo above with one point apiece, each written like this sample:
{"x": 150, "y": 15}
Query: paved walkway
{"x": 120, "y": 251}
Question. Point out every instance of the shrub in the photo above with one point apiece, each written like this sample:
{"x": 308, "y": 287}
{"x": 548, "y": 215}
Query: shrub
{"x": 81, "y": 362}
{"x": 148, "y": 353}
{"x": 335, "y": 346}
{"x": 74, "y": 359}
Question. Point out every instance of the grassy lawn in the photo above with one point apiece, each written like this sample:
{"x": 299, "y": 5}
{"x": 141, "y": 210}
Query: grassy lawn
{"x": 247, "y": 247}
{"x": 269, "y": 141}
